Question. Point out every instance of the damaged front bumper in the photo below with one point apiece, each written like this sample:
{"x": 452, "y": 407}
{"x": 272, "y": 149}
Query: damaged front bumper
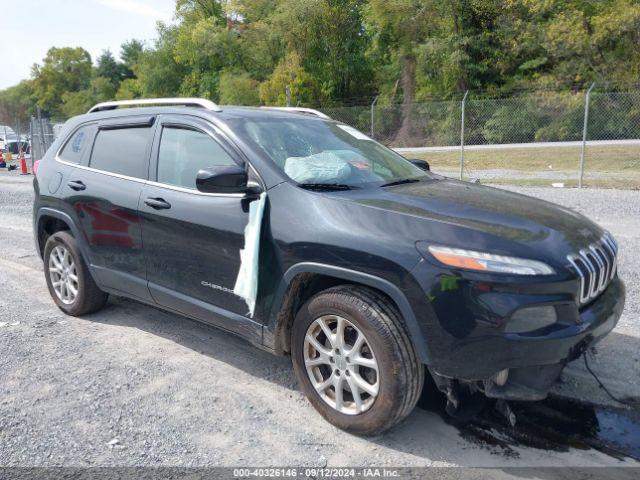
{"x": 514, "y": 366}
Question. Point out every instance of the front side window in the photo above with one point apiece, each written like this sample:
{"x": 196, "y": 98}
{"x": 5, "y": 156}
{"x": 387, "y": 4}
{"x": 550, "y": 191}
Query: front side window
{"x": 184, "y": 152}
{"x": 312, "y": 151}
{"x": 122, "y": 151}
{"x": 77, "y": 144}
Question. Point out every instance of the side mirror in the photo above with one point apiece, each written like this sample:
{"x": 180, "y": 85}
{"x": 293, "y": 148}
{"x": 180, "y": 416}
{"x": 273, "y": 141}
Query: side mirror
{"x": 227, "y": 179}
{"x": 421, "y": 164}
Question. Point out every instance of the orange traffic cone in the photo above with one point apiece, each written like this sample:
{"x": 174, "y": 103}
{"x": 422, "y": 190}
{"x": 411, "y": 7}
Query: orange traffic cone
{"x": 23, "y": 164}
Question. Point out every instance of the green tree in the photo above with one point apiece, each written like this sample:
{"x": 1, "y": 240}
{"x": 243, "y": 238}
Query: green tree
{"x": 305, "y": 89}
{"x": 329, "y": 38}
{"x": 204, "y": 49}
{"x": 261, "y": 46}
{"x": 238, "y": 88}
{"x": 157, "y": 70}
{"x": 17, "y": 104}
{"x": 74, "y": 103}
{"x": 400, "y": 26}
{"x": 331, "y": 51}
{"x": 616, "y": 33}
{"x": 130, "y": 53}
{"x": 64, "y": 70}
{"x": 107, "y": 67}
{"x": 569, "y": 42}
{"x": 196, "y": 10}
{"x": 129, "y": 89}
{"x": 251, "y": 11}
{"x": 205, "y": 44}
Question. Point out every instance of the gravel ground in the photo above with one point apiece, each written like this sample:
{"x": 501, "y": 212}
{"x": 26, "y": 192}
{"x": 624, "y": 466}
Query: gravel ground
{"x": 488, "y": 175}
{"x": 132, "y": 385}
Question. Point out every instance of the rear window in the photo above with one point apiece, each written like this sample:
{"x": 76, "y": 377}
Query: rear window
{"x": 122, "y": 151}
{"x": 77, "y": 144}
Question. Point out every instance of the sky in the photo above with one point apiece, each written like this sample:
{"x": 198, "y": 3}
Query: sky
{"x": 28, "y": 28}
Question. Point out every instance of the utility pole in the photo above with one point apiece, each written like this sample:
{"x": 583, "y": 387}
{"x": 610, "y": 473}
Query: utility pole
{"x": 464, "y": 101}
{"x": 584, "y": 133}
{"x": 287, "y": 92}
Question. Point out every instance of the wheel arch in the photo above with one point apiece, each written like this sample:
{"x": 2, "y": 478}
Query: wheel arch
{"x": 49, "y": 221}
{"x": 304, "y": 280}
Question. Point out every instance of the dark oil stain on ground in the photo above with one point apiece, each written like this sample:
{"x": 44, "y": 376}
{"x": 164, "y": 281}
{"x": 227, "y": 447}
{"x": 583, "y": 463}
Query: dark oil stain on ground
{"x": 556, "y": 424}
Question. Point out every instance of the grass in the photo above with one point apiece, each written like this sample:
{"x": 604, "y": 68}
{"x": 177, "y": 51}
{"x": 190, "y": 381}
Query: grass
{"x": 605, "y": 166}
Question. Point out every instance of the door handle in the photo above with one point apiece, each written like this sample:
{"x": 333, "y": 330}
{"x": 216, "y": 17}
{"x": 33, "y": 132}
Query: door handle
{"x": 77, "y": 185}
{"x": 158, "y": 203}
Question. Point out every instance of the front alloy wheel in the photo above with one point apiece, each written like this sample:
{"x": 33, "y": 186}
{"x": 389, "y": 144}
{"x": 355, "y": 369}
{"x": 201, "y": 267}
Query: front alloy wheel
{"x": 341, "y": 365}
{"x": 354, "y": 359}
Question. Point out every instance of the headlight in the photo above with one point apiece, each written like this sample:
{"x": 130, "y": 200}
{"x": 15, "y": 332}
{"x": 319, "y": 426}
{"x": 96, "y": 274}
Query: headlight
{"x": 488, "y": 262}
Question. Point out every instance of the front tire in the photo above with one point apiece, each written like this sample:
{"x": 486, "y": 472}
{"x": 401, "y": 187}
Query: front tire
{"x": 354, "y": 360}
{"x": 69, "y": 281}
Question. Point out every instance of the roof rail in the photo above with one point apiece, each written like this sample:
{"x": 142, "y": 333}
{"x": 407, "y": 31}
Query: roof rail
{"x": 310, "y": 111}
{"x": 186, "y": 102}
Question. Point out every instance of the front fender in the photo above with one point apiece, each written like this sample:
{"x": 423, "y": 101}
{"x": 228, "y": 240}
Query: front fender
{"x": 274, "y": 327}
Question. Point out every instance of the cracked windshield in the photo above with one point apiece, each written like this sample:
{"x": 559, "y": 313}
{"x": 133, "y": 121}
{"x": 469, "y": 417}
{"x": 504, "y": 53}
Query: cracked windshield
{"x": 317, "y": 153}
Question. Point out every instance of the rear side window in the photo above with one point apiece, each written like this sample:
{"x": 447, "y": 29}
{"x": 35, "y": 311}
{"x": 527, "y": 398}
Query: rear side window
{"x": 184, "y": 152}
{"x": 122, "y": 151}
{"x": 77, "y": 144}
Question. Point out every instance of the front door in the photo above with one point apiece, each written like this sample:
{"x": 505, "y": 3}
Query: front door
{"x": 192, "y": 240}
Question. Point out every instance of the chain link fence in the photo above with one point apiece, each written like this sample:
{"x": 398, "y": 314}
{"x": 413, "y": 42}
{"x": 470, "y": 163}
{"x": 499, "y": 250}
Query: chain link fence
{"x": 42, "y": 134}
{"x": 577, "y": 138}
{"x": 572, "y": 138}
{"x": 33, "y": 138}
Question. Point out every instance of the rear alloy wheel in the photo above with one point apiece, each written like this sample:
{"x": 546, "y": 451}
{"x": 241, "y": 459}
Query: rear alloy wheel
{"x": 354, "y": 359}
{"x": 70, "y": 283}
{"x": 63, "y": 274}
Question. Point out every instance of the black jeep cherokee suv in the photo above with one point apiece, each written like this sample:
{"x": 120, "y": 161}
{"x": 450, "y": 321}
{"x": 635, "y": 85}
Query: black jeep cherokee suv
{"x": 308, "y": 238}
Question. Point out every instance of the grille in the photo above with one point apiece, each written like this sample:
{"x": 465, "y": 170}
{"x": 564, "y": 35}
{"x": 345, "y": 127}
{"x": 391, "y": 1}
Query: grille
{"x": 596, "y": 266}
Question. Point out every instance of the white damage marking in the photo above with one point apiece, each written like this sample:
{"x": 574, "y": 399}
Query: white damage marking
{"x": 246, "y": 285}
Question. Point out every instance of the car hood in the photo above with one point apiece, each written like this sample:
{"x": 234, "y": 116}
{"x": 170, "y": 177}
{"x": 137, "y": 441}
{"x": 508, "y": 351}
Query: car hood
{"x": 483, "y": 212}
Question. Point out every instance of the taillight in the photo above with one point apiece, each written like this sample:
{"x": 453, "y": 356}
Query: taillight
{"x": 35, "y": 167}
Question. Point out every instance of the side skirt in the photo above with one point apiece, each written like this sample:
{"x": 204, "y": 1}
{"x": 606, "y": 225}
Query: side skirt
{"x": 207, "y": 313}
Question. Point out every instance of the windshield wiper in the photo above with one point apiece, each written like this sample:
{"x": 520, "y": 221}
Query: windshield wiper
{"x": 400, "y": 182}
{"x": 326, "y": 186}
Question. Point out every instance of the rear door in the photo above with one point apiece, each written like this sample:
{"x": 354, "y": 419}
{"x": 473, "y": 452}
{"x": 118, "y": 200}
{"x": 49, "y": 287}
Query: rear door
{"x": 192, "y": 240}
{"x": 106, "y": 196}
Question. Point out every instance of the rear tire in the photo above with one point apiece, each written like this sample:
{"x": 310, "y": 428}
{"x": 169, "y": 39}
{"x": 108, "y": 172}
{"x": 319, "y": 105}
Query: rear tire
{"x": 70, "y": 283}
{"x": 382, "y": 366}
